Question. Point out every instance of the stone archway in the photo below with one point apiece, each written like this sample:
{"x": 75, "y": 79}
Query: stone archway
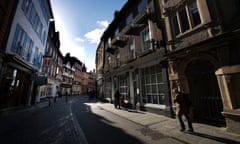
{"x": 204, "y": 91}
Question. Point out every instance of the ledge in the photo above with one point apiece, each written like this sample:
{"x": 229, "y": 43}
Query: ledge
{"x": 231, "y": 112}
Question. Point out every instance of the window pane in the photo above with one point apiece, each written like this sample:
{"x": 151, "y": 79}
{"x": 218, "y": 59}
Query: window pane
{"x": 155, "y": 99}
{"x": 149, "y": 98}
{"x": 129, "y": 19}
{"x": 175, "y": 27}
{"x": 161, "y": 98}
{"x": 184, "y": 19}
{"x": 153, "y": 78}
{"x": 195, "y": 14}
{"x": 154, "y": 88}
{"x": 159, "y": 78}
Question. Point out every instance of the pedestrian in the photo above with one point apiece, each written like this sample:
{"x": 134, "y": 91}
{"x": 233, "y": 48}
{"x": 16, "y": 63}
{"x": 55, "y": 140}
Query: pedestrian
{"x": 117, "y": 99}
{"x": 183, "y": 105}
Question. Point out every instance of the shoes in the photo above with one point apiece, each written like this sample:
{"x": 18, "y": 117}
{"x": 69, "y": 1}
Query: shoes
{"x": 183, "y": 129}
{"x": 190, "y": 130}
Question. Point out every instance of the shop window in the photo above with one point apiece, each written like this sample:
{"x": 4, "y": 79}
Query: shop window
{"x": 123, "y": 86}
{"x": 152, "y": 85}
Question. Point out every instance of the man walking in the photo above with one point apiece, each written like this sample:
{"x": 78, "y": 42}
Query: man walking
{"x": 183, "y": 104}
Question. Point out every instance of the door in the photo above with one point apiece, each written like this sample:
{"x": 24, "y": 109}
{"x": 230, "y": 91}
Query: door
{"x": 204, "y": 92}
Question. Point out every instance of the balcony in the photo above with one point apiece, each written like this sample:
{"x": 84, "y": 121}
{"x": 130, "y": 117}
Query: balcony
{"x": 133, "y": 29}
{"x": 120, "y": 41}
{"x": 67, "y": 75}
{"x": 143, "y": 16}
{"x": 110, "y": 50}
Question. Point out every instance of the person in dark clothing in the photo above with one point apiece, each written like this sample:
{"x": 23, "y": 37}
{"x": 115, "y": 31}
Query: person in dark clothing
{"x": 117, "y": 99}
{"x": 183, "y": 104}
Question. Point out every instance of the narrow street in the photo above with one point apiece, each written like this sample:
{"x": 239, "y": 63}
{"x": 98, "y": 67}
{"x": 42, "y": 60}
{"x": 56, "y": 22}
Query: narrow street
{"x": 74, "y": 122}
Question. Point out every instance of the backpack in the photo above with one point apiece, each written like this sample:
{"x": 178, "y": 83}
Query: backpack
{"x": 187, "y": 99}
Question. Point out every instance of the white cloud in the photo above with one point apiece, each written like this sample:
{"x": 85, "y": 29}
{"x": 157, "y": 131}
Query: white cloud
{"x": 94, "y": 36}
{"x": 104, "y": 24}
{"x": 74, "y": 50}
{"x": 78, "y": 39}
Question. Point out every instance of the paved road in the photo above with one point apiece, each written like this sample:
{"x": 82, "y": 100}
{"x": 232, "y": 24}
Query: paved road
{"x": 76, "y": 122}
{"x": 40, "y": 125}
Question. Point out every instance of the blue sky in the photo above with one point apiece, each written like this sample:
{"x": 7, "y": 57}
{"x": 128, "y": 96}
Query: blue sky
{"x": 81, "y": 24}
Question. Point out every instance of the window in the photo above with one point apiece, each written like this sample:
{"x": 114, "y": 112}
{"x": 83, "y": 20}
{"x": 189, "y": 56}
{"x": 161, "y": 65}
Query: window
{"x": 18, "y": 41}
{"x": 180, "y": 21}
{"x": 145, "y": 36}
{"x": 152, "y": 83}
{"x": 26, "y": 6}
{"x": 29, "y": 48}
{"x": 184, "y": 19}
{"x": 129, "y": 19}
{"x": 33, "y": 15}
{"x": 131, "y": 49}
{"x": 194, "y": 14}
{"x": 174, "y": 24}
{"x": 45, "y": 10}
{"x": 123, "y": 86}
{"x": 35, "y": 60}
{"x": 142, "y": 6}
{"x": 116, "y": 34}
{"x": 118, "y": 59}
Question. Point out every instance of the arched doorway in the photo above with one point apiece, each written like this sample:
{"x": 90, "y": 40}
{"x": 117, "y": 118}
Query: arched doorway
{"x": 204, "y": 92}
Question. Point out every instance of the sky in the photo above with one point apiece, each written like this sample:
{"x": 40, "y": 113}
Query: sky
{"x": 81, "y": 24}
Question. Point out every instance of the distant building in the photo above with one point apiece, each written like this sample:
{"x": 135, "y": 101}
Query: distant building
{"x": 24, "y": 50}
{"x": 78, "y": 77}
{"x": 67, "y": 75}
{"x": 50, "y": 67}
{"x": 92, "y": 81}
{"x": 99, "y": 70}
{"x": 85, "y": 77}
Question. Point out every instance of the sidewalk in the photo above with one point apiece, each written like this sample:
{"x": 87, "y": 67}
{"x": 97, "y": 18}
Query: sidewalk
{"x": 203, "y": 134}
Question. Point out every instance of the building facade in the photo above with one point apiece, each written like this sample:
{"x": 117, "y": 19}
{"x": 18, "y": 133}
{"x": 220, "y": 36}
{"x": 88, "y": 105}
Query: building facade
{"x": 50, "y": 66}
{"x": 78, "y": 77}
{"x": 99, "y": 70}
{"x": 24, "y": 50}
{"x": 7, "y": 11}
{"x": 203, "y": 56}
{"x": 134, "y": 58}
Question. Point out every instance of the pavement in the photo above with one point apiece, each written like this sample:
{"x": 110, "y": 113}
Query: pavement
{"x": 203, "y": 134}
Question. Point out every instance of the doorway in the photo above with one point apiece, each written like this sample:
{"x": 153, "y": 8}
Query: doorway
{"x": 204, "y": 92}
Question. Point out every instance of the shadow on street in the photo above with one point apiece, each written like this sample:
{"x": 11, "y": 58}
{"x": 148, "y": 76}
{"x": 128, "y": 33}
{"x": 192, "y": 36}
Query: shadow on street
{"x": 97, "y": 129}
